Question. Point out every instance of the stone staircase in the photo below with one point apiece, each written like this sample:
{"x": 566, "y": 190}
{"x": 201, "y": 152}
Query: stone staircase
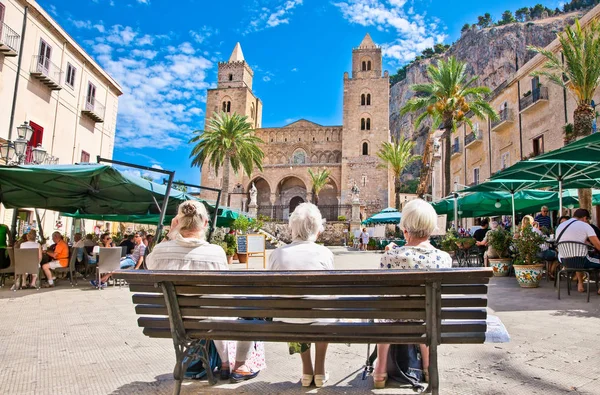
{"x": 272, "y": 242}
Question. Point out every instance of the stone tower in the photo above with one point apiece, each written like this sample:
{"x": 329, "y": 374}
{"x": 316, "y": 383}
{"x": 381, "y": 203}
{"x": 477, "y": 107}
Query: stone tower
{"x": 232, "y": 95}
{"x": 366, "y": 128}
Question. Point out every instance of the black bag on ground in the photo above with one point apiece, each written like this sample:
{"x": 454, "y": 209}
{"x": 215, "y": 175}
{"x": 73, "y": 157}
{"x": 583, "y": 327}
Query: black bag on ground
{"x": 196, "y": 369}
{"x": 404, "y": 365}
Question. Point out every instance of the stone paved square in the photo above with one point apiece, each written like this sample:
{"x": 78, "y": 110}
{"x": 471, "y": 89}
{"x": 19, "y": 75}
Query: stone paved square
{"x": 78, "y": 340}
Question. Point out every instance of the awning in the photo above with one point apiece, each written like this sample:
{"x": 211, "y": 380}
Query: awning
{"x": 388, "y": 216}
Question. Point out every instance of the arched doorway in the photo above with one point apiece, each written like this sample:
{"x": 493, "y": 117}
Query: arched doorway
{"x": 296, "y": 200}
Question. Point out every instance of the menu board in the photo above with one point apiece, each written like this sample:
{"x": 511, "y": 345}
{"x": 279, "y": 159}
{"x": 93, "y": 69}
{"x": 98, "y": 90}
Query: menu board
{"x": 242, "y": 246}
{"x": 256, "y": 244}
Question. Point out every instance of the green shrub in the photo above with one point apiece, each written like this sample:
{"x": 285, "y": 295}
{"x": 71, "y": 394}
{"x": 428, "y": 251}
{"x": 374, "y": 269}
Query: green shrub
{"x": 500, "y": 240}
{"x": 528, "y": 245}
{"x": 341, "y": 218}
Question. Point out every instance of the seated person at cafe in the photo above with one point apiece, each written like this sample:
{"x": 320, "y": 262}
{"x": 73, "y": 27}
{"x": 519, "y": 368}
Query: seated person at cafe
{"x": 578, "y": 230}
{"x": 128, "y": 242}
{"x": 134, "y": 260}
{"x": 479, "y": 236}
{"x": 55, "y": 259}
{"x": 543, "y": 219}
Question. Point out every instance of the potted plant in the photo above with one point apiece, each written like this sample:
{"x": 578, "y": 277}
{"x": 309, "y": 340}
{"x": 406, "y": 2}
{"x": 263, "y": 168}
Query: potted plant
{"x": 241, "y": 226}
{"x": 448, "y": 242}
{"x": 465, "y": 243}
{"x": 372, "y": 244}
{"x": 223, "y": 245}
{"x": 231, "y": 243}
{"x": 527, "y": 269}
{"x": 499, "y": 241}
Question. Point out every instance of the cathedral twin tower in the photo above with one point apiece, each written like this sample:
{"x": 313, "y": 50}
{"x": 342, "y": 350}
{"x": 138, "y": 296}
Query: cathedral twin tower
{"x": 348, "y": 151}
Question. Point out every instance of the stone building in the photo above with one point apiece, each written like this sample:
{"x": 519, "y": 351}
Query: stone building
{"x": 348, "y": 150}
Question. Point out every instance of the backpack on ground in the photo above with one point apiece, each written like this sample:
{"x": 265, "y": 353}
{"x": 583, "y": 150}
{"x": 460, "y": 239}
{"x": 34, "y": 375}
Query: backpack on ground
{"x": 196, "y": 370}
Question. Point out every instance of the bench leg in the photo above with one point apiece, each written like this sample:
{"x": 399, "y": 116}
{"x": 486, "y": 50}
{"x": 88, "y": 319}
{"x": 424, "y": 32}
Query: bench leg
{"x": 434, "y": 379}
{"x": 186, "y": 354}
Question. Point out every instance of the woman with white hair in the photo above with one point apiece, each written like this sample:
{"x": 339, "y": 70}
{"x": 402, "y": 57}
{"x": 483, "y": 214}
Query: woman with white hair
{"x": 187, "y": 249}
{"x": 418, "y": 222}
{"x": 303, "y": 253}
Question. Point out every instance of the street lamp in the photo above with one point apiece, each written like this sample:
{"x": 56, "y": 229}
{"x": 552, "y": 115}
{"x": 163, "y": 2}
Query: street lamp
{"x": 15, "y": 152}
{"x": 25, "y": 131}
{"x": 39, "y": 154}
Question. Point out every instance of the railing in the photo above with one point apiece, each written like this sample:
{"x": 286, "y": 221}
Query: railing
{"x": 506, "y": 115}
{"x": 50, "y": 72}
{"x": 282, "y": 212}
{"x": 9, "y": 37}
{"x": 541, "y": 93}
{"x": 473, "y": 136}
{"x": 93, "y": 106}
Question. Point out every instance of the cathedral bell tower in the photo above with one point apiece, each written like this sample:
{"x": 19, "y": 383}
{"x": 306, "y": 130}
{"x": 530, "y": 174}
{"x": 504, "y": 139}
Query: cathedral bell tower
{"x": 366, "y": 128}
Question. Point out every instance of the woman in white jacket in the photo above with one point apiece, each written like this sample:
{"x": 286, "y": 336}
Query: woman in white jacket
{"x": 188, "y": 249}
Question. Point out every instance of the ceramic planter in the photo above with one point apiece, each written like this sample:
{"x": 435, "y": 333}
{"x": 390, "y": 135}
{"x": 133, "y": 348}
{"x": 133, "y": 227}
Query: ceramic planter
{"x": 243, "y": 258}
{"x": 500, "y": 266}
{"x": 529, "y": 276}
{"x": 229, "y": 259}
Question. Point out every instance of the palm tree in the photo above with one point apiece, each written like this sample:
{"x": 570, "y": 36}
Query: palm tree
{"x": 579, "y": 73}
{"x": 446, "y": 100}
{"x": 319, "y": 181}
{"x": 177, "y": 185}
{"x": 397, "y": 155}
{"x": 228, "y": 141}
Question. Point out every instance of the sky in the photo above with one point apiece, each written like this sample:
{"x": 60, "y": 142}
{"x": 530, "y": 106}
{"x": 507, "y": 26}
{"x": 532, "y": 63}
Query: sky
{"x": 165, "y": 54}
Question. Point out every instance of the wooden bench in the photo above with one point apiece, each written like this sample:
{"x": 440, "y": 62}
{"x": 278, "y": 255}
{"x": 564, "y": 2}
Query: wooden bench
{"x": 443, "y": 306}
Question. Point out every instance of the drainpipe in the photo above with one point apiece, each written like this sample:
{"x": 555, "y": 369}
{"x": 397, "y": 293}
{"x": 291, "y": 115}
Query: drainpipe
{"x": 14, "y": 102}
{"x": 519, "y": 108}
{"x": 565, "y": 94}
{"x": 78, "y": 114}
{"x": 62, "y": 58}
{"x": 490, "y": 144}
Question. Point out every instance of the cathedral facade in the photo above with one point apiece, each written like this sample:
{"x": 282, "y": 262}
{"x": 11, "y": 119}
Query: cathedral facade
{"x": 348, "y": 150}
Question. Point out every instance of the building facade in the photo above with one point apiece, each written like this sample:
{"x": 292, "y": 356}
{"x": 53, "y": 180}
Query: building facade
{"x": 348, "y": 150}
{"x": 533, "y": 113}
{"x": 49, "y": 82}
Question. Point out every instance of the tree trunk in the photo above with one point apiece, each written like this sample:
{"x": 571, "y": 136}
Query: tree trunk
{"x": 583, "y": 119}
{"x": 225, "y": 183}
{"x": 316, "y": 198}
{"x": 397, "y": 191}
{"x": 447, "y": 158}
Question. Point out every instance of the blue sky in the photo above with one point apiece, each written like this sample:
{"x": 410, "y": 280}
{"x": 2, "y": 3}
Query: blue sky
{"x": 165, "y": 55}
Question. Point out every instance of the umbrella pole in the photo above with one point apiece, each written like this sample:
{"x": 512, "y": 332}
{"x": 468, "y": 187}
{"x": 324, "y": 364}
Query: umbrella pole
{"x": 215, "y": 215}
{"x": 514, "y": 219}
{"x": 455, "y": 208}
{"x": 163, "y": 209}
{"x": 560, "y": 198}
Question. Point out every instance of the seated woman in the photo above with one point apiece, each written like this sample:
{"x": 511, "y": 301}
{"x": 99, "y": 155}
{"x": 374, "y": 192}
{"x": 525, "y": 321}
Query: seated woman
{"x": 187, "y": 249}
{"x": 33, "y": 244}
{"x": 304, "y": 254}
{"x": 418, "y": 223}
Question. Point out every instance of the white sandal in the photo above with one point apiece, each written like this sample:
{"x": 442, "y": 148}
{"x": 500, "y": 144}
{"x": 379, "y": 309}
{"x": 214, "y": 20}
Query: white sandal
{"x": 321, "y": 379}
{"x": 307, "y": 380}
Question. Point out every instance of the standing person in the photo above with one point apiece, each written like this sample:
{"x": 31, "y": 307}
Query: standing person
{"x": 479, "y": 237}
{"x": 577, "y": 229}
{"x": 364, "y": 239}
{"x": 188, "y": 249}
{"x": 543, "y": 219}
{"x": 5, "y": 243}
{"x": 55, "y": 259}
{"x": 418, "y": 222}
{"x": 30, "y": 243}
{"x": 303, "y": 253}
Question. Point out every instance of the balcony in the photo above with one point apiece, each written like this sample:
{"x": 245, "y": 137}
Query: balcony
{"x": 506, "y": 118}
{"x": 9, "y": 41}
{"x": 473, "y": 139}
{"x": 533, "y": 98}
{"x": 456, "y": 149}
{"x": 46, "y": 71}
{"x": 93, "y": 110}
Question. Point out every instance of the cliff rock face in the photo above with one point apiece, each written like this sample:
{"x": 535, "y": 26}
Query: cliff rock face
{"x": 491, "y": 54}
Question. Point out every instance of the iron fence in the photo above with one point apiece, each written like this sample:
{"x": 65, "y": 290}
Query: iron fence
{"x": 282, "y": 212}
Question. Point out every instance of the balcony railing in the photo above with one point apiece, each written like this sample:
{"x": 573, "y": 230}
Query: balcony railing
{"x": 536, "y": 96}
{"x": 473, "y": 138}
{"x": 9, "y": 40}
{"x": 506, "y": 116}
{"x": 46, "y": 71}
{"x": 94, "y": 110}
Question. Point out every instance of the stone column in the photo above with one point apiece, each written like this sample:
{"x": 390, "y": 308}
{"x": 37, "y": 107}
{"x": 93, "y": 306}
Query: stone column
{"x": 253, "y": 210}
{"x": 355, "y": 221}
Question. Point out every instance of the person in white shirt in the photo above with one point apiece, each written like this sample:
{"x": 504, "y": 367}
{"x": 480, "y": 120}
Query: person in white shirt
{"x": 187, "y": 249}
{"x": 303, "y": 253}
{"x": 30, "y": 243}
{"x": 577, "y": 229}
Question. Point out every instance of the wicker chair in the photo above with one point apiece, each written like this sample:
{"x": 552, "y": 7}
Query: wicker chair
{"x": 573, "y": 257}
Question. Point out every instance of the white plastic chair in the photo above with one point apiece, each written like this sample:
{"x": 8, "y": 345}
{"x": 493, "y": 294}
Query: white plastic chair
{"x": 109, "y": 260}
{"x": 27, "y": 261}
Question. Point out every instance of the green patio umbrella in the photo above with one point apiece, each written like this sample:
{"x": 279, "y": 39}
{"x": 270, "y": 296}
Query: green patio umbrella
{"x": 587, "y": 149}
{"x": 387, "y": 216}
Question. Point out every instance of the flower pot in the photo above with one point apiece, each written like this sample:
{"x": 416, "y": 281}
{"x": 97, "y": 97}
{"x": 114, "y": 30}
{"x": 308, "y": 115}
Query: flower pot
{"x": 229, "y": 259}
{"x": 500, "y": 266}
{"x": 243, "y": 258}
{"x": 529, "y": 276}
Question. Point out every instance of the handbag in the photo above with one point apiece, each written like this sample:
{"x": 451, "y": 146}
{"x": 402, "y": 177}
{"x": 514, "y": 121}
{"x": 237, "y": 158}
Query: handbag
{"x": 196, "y": 369}
{"x": 405, "y": 365}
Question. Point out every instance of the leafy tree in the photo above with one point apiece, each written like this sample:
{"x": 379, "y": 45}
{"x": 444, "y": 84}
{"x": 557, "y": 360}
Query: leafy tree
{"x": 397, "y": 155}
{"x": 581, "y": 51}
{"x": 536, "y": 11}
{"x": 446, "y": 100}
{"x": 441, "y": 48}
{"x": 319, "y": 181}
{"x": 465, "y": 28}
{"x": 147, "y": 177}
{"x": 522, "y": 14}
{"x": 427, "y": 52}
{"x": 180, "y": 187}
{"x": 507, "y": 17}
{"x": 484, "y": 21}
{"x": 228, "y": 141}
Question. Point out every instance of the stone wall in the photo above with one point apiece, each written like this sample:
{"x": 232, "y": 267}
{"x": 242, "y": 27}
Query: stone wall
{"x": 332, "y": 236}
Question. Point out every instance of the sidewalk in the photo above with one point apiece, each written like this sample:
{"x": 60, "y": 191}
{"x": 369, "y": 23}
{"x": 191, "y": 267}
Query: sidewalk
{"x": 84, "y": 341}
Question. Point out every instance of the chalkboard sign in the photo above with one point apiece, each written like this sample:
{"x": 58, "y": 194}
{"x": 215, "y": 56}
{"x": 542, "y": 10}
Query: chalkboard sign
{"x": 256, "y": 244}
{"x": 242, "y": 244}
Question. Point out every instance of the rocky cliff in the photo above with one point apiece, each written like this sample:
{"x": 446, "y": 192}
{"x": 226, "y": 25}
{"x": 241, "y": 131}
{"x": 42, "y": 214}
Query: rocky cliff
{"x": 492, "y": 54}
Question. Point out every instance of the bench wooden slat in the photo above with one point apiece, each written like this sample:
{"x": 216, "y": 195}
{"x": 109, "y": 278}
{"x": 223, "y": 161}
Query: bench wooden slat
{"x": 464, "y": 314}
{"x": 284, "y": 327}
{"x": 464, "y": 289}
{"x": 300, "y": 290}
{"x": 145, "y": 288}
{"x": 463, "y": 326}
{"x": 464, "y": 302}
{"x": 463, "y": 338}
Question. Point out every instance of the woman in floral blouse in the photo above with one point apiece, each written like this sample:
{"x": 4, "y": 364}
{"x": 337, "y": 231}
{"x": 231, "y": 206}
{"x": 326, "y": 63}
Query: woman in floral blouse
{"x": 419, "y": 220}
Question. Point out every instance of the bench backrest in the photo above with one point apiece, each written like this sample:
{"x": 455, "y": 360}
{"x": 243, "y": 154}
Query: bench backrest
{"x": 447, "y": 304}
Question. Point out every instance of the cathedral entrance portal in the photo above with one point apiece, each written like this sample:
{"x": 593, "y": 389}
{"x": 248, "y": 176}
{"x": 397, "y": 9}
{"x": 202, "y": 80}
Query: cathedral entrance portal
{"x": 295, "y": 202}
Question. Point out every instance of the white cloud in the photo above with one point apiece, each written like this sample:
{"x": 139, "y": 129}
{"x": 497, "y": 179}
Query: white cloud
{"x": 294, "y": 69}
{"x": 263, "y": 17}
{"x": 203, "y": 34}
{"x": 164, "y": 88}
{"x": 266, "y": 78}
{"x": 415, "y": 32}
{"x": 143, "y": 1}
{"x": 79, "y": 24}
